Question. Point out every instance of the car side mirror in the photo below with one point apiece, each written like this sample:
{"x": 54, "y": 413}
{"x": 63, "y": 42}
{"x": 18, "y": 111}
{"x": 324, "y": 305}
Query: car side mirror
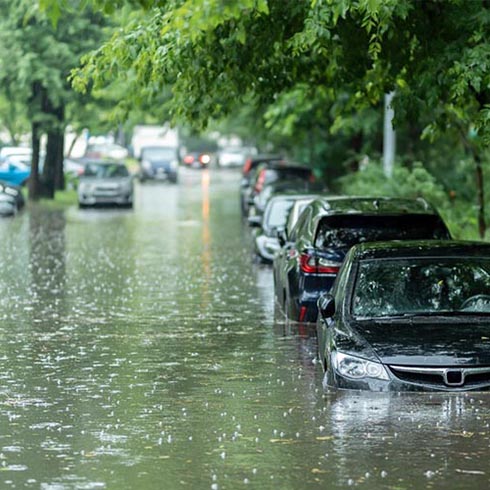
{"x": 281, "y": 237}
{"x": 326, "y": 305}
{"x": 255, "y": 221}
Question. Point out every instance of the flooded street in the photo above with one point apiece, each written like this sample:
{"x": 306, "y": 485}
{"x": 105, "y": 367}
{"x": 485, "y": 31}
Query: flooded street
{"x": 139, "y": 350}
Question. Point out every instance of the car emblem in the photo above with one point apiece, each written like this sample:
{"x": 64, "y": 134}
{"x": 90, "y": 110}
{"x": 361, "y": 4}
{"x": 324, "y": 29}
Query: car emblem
{"x": 453, "y": 377}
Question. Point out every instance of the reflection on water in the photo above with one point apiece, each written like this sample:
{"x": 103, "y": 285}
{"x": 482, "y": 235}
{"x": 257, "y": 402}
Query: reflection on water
{"x": 139, "y": 349}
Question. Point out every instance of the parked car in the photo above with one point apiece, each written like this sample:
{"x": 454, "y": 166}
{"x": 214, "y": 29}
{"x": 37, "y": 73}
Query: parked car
{"x": 266, "y": 242}
{"x": 325, "y": 231}
{"x": 273, "y": 172}
{"x": 111, "y": 151}
{"x": 105, "y": 182}
{"x": 24, "y": 151}
{"x": 159, "y": 163}
{"x": 197, "y": 159}
{"x": 290, "y": 186}
{"x": 12, "y": 193}
{"x": 408, "y": 316}
{"x": 234, "y": 156}
{"x": 14, "y": 172}
{"x": 248, "y": 174}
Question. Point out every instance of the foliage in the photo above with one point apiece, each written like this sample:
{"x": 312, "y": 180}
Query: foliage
{"x": 414, "y": 182}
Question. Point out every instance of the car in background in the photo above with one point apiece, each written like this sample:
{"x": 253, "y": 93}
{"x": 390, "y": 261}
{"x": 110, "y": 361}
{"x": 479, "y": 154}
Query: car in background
{"x": 234, "y": 156}
{"x": 13, "y": 191}
{"x": 111, "y": 151}
{"x": 159, "y": 163}
{"x": 271, "y": 224}
{"x": 23, "y": 152}
{"x": 277, "y": 171}
{"x": 248, "y": 174}
{"x": 196, "y": 159}
{"x": 105, "y": 182}
{"x": 289, "y": 186}
{"x": 325, "y": 231}
{"x": 14, "y": 172}
{"x": 408, "y": 316}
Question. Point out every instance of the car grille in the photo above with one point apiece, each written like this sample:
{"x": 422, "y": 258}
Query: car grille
{"x": 444, "y": 377}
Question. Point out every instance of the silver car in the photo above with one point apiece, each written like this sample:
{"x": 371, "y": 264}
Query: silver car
{"x": 105, "y": 183}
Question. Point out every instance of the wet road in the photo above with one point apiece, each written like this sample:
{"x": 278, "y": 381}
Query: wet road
{"x": 139, "y": 351}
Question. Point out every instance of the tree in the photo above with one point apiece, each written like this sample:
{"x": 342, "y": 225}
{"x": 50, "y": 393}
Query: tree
{"x": 35, "y": 61}
{"x": 216, "y": 54}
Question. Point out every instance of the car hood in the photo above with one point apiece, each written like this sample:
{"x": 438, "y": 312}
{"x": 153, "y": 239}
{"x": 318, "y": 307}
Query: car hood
{"x": 451, "y": 343}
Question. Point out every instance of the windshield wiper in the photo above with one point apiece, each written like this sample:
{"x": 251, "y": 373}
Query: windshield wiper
{"x": 426, "y": 314}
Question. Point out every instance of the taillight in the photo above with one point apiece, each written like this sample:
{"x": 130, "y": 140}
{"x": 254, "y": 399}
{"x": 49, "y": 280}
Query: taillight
{"x": 260, "y": 181}
{"x": 311, "y": 179}
{"x": 247, "y": 166}
{"x": 188, "y": 159}
{"x": 317, "y": 265}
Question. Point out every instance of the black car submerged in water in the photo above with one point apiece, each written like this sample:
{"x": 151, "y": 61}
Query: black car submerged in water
{"x": 408, "y": 316}
{"x": 325, "y": 231}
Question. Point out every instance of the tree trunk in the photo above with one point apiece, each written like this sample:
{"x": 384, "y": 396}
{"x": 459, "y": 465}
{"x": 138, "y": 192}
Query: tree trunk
{"x": 34, "y": 183}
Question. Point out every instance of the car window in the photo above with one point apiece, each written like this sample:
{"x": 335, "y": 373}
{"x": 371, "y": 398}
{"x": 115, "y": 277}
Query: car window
{"x": 277, "y": 213}
{"x": 301, "y": 224}
{"x": 158, "y": 153}
{"x": 418, "y": 286}
{"x": 345, "y": 231}
{"x": 105, "y": 170}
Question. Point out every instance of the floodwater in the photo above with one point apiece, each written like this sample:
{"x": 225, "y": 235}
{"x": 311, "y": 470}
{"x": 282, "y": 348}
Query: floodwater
{"x": 139, "y": 350}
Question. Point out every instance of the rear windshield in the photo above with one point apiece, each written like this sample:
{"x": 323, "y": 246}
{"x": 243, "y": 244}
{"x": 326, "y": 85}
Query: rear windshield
{"x": 272, "y": 175}
{"x": 346, "y": 231}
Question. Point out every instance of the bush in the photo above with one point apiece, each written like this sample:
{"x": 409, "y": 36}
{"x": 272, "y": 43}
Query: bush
{"x": 414, "y": 182}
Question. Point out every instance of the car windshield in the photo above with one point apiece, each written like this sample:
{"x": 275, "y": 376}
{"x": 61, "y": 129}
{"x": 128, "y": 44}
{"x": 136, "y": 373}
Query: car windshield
{"x": 278, "y": 213}
{"x": 104, "y": 170}
{"x": 159, "y": 154}
{"x": 345, "y": 231}
{"x": 392, "y": 287}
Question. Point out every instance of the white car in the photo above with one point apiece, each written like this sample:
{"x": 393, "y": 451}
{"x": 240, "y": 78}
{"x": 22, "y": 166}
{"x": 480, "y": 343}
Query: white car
{"x": 105, "y": 183}
{"x": 234, "y": 157}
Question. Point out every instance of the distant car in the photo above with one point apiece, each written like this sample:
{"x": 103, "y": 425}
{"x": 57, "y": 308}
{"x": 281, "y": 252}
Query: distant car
{"x": 273, "y": 173}
{"x": 105, "y": 182}
{"x": 234, "y": 157}
{"x": 197, "y": 159}
{"x": 14, "y": 172}
{"x": 24, "y": 151}
{"x": 266, "y": 242}
{"x": 112, "y": 151}
{"x": 14, "y": 192}
{"x": 159, "y": 163}
{"x": 248, "y": 173}
{"x": 408, "y": 316}
{"x": 325, "y": 231}
{"x": 288, "y": 186}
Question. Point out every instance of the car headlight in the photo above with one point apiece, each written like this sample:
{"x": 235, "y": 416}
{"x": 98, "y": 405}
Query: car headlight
{"x": 146, "y": 164}
{"x": 357, "y": 368}
{"x": 174, "y": 164}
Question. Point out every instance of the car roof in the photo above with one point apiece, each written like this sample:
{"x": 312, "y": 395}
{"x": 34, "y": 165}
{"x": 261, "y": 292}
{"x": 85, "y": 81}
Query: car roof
{"x": 370, "y": 205}
{"x": 420, "y": 248}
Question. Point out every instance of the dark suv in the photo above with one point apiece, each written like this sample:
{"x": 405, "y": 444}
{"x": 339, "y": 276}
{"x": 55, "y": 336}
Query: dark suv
{"x": 328, "y": 228}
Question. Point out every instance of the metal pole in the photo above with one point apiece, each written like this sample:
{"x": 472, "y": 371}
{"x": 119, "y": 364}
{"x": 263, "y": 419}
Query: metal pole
{"x": 389, "y": 136}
